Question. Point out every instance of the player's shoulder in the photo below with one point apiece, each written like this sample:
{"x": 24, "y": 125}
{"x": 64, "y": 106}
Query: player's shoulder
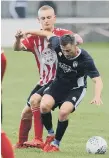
{"x": 61, "y": 32}
{"x": 85, "y": 54}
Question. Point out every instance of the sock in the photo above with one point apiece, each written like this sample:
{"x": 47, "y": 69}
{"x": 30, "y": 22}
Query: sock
{"x": 38, "y": 126}
{"x": 6, "y": 147}
{"x": 51, "y": 132}
{"x": 25, "y": 126}
{"x": 61, "y": 128}
{"x": 56, "y": 142}
{"x": 47, "y": 122}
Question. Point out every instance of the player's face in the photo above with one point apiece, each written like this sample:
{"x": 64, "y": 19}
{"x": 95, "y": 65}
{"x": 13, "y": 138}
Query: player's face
{"x": 47, "y": 19}
{"x": 68, "y": 50}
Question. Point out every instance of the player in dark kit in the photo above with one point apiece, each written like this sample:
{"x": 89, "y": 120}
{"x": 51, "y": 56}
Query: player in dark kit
{"x": 69, "y": 86}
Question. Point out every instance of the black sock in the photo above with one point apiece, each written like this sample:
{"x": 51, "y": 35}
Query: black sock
{"x": 61, "y": 128}
{"x": 47, "y": 120}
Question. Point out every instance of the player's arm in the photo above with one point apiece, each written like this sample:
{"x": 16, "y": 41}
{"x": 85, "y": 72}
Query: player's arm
{"x": 93, "y": 73}
{"x": 52, "y": 39}
{"x": 17, "y": 44}
{"x": 98, "y": 90}
{"x": 78, "y": 38}
{"x": 39, "y": 33}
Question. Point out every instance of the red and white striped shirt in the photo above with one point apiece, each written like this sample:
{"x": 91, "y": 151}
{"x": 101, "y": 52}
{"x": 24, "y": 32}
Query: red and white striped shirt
{"x": 46, "y": 60}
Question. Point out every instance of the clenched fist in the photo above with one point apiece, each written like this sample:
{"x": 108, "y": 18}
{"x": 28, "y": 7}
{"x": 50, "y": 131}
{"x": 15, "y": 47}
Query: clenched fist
{"x": 19, "y": 34}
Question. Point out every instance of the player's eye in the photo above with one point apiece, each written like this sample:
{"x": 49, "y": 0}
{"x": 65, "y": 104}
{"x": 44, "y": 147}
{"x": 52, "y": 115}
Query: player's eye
{"x": 49, "y": 17}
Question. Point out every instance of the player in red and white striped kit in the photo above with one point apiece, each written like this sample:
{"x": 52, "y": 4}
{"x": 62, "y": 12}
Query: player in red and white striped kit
{"x": 47, "y": 63}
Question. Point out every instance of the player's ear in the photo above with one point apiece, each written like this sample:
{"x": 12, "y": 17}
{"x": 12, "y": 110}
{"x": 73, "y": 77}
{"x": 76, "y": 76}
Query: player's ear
{"x": 54, "y": 18}
{"x": 38, "y": 19}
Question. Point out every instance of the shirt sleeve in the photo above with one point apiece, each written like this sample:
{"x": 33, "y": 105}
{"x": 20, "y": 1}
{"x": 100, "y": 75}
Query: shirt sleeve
{"x": 90, "y": 69}
{"x": 64, "y": 31}
{"x": 54, "y": 42}
{"x": 28, "y": 43}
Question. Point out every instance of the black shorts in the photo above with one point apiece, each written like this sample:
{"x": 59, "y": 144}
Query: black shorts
{"x": 42, "y": 89}
{"x": 62, "y": 93}
{"x": 39, "y": 90}
{"x": 37, "y": 87}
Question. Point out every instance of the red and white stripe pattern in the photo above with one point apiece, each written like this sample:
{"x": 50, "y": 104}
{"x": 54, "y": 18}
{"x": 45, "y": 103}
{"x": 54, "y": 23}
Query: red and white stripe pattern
{"x": 46, "y": 59}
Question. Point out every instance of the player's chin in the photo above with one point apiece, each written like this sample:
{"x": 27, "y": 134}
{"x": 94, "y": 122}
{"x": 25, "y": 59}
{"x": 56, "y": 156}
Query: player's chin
{"x": 48, "y": 27}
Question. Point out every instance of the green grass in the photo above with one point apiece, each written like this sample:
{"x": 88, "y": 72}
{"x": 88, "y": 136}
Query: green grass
{"x": 89, "y": 120}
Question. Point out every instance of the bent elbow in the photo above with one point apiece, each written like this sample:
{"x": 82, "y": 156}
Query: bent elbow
{"x": 79, "y": 39}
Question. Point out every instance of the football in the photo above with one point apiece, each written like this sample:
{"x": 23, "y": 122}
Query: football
{"x": 96, "y": 145}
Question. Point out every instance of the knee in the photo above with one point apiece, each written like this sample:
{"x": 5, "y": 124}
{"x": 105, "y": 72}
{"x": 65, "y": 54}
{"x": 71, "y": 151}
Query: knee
{"x": 35, "y": 100}
{"x": 46, "y": 104}
{"x": 63, "y": 115}
{"x": 26, "y": 114}
{"x": 45, "y": 108}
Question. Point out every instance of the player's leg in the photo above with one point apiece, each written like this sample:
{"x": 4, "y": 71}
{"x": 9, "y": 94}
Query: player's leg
{"x": 26, "y": 122}
{"x": 38, "y": 126}
{"x": 6, "y": 147}
{"x": 46, "y": 105}
{"x": 25, "y": 126}
{"x": 65, "y": 110}
{"x": 70, "y": 104}
{"x": 35, "y": 107}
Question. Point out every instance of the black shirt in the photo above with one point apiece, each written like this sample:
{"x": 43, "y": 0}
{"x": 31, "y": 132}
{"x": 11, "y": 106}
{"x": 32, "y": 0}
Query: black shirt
{"x": 73, "y": 72}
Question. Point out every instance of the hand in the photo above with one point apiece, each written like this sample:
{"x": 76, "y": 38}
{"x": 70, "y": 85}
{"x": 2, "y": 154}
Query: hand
{"x": 19, "y": 34}
{"x": 97, "y": 101}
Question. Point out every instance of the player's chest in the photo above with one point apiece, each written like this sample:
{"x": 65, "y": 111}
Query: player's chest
{"x": 76, "y": 65}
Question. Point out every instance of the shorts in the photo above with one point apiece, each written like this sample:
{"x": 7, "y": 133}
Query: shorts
{"x": 62, "y": 93}
{"x": 39, "y": 90}
{"x": 37, "y": 87}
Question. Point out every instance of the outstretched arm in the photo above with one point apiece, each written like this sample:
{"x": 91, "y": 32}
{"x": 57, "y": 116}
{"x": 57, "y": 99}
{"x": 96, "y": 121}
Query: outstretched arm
{"x": 48, "y": 34}
{"x": 39, "y": 33}
{"x": 98, "y": 89}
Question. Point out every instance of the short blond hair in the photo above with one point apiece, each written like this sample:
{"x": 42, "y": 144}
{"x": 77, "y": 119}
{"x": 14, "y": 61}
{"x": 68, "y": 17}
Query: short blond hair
{"x": 45, "y": 7}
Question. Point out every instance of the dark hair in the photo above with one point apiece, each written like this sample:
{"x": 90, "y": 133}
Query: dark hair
{"x": 67, "y": 39}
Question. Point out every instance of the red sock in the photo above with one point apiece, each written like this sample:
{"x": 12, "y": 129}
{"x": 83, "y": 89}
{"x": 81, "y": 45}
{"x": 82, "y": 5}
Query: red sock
{"x": 25, "y": 126}
{"x": 6, "y": 147}
{"x": 38, "y": 127}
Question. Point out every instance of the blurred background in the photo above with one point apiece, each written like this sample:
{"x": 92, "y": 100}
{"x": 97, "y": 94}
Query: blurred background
{"x": 88, "y": 18}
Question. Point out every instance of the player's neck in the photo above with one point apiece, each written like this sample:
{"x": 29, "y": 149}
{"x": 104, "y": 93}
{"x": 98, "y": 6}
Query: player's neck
{"x": 50, "y": 29}
{"x": 76, "y": 52}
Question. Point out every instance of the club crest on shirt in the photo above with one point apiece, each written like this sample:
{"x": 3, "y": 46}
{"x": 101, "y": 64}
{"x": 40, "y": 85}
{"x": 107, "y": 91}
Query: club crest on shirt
{"x": 49, "y": 56}
{"x": 75, "y": 64}
{"x": 60, "y": 54}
